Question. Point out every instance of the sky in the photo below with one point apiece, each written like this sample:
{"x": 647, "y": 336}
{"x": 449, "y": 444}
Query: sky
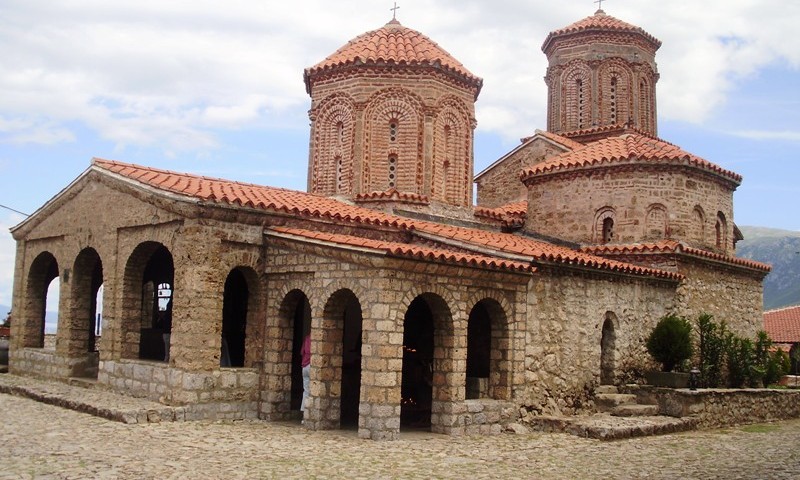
{"x": 216, "y": 88}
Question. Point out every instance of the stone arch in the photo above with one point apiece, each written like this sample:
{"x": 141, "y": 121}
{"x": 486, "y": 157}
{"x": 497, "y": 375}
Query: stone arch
{"x": 87, "y": 278}
{"x": 337, "y": 358}
{"x": 43, "y": 270}
{"x": 240, "y": 307}
{"x": 394, "y": 127}
{"x": 577, "y": 101}
{"x": 721, "y": 231}
{"x": 604, "y": 225}
{"x": 452, "y": 144}
{"x": 615, "y": 86}
{"x": 699, "y": 224}
{"x": 488, "y": 367}
{"x": 608, "y": 349}
{"x": 333, "y": 148}
{"x": 427, "y": 377}
{"x": 146, "y": 315}
{"x": 656, "y": 222}
{"x": 283, "y": 353}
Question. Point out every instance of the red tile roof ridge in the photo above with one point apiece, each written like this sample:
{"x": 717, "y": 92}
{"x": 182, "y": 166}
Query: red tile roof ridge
{"x": 509, "y": 212}
{"x": 672, "y": 246}
{"x": 560, "y": 138}
{"x": 626, "y": 148}
{"x": 783, "y": 309}
{"x": 599, "y": 21}
{"x": 396, "y": 44}
{"x": 399, "y": 249}
{"x": 783, "y": 324}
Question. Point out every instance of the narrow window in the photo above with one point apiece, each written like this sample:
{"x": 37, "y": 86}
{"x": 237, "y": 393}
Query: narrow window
{"x": 613, "y": 103}
{"x": 340, "y": 132}
{"x": 392, "y": 131}
{"x": 579, "y": 84}
{"x": 608, "y": 230}
{"x": 339, "y": 179}
{"x": 392, "y": 170}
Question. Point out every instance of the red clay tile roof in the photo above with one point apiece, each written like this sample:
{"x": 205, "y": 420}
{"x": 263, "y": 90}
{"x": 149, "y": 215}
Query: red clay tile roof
{"x": 630, "y": 148}
{"x": 560, "y": 139}
{"x": 672, "y": 246}
{"x": 599, "y": 21}
{"x": 398, "y": 249}
{"x": 511, "y": 214}
{"x": 783, "y": 325}
{"x": 393, "y": 44}
{"x": 393, "y": 195}
{"x": 308, "y": 205}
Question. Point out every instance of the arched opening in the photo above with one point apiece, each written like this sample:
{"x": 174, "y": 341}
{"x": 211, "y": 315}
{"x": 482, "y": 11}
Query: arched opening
{"x": 608, "y": 351}
{"x": 235, "y": 303}
{"x": 721, "y": 230}
{"x": 43, "y": 272}
{"x": 87, "y": 280}
{"x": 342, "y": 338}
{"x": 487, "y": 352}
{"x": 296, "y": 316}
{"x": 148, "y": 291}
{"x": 608, "y": 230}
{"x": 604, "y": 225}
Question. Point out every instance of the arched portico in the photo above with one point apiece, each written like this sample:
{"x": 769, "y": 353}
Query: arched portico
{"x": 87, "y": 278}
{"x": 43, "y": 270}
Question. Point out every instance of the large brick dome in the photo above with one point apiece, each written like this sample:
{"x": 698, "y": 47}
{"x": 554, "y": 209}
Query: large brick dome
{"x": 391, "y": 45}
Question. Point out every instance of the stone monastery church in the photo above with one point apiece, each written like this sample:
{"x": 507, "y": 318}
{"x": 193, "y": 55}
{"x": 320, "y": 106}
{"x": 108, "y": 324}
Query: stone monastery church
{"x": 424, "y": 310}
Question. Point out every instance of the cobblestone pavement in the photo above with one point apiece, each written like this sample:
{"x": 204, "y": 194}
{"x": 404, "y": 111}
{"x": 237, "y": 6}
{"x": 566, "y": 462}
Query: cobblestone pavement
{"x": 44, "y": 441}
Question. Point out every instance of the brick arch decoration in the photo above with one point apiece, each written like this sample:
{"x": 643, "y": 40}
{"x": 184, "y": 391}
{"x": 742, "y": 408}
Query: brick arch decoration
{"x": 43, "y": 270}
{"x": 698, "y": 224}
{"x": 600, "y": 218}
{"x": 452, "y": 144}
{"x": 87, "y": 278}
{"x": 501, "y": 353}
{"x": 405, "y": 108}
{"x": 576, "y": 111}
{"x": 617, "y": 110}
{"x": 332, "y": 146}
{"x": 647, "y": 99}
{"x": 656, "y": 222}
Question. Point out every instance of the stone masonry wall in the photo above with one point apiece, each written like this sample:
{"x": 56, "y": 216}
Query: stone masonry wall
{"x": 501, "y": 185}
{"x": 573, "y": 206}
{"x": 564, "y": 331}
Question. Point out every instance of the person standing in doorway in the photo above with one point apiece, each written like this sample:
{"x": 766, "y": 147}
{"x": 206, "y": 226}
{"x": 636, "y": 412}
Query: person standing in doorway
{"x": 305, "y": 363}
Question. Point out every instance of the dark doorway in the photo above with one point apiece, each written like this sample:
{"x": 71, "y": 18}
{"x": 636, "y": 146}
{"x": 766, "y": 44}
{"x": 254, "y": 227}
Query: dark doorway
{"x": 607, "y": 346}
{"x": 417, "y": 390}
{"x": 234, "y": 320}
{"x": 479, "y": 347}
{"x": 157, "y": 294}
{"x": 43, "y": 271}
{"x": 301, "y": 326}
{"x": 351, "y": 364}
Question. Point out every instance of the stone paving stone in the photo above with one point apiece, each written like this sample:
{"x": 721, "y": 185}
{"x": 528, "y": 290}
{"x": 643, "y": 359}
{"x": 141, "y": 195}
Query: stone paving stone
{"x": 44, "y": 441}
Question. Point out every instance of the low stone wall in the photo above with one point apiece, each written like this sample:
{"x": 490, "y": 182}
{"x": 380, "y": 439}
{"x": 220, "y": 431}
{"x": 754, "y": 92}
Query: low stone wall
{"x": 473, "y": 417}
{"x": 722, "y": 407}
{"x": 224, "y": 394}
{"x": 45, "y": 363}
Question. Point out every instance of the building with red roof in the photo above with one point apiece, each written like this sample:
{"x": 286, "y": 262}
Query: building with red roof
{"x": 423, "y": 309}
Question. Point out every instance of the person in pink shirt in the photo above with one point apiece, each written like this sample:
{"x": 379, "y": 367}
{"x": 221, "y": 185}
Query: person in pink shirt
{"x": 305, "y": 363}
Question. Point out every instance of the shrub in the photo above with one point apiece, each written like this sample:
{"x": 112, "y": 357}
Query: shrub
{"x": 712, "y": 346}
{"x": 778, "y": 365}
{"x": 740, "y": 361}
{"x": 670, "y": 342}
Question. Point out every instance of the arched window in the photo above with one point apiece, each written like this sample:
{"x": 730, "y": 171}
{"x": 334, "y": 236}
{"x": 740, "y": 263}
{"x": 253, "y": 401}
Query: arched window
{"x": 699, "y": 224}
{"x": 608, "y": 230}
{"x": 721, "y": 229}
{"x": 339, "y": 177}
{"x": 393, "y": 131}
{"x": 604, "y": 225}
{"x": 613, "y": 100}
{"x": 581, "y": 102}
{"x": 656, "y": 225}
{"x": 644, "y": 104}
{"x": 340, "y": 133}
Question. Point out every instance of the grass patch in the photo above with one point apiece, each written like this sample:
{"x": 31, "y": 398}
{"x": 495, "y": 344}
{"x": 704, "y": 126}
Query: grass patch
{"x": 761, "y": 428}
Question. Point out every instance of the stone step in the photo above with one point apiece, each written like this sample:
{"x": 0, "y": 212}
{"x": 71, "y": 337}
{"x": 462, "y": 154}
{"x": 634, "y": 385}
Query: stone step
{"x": 606, "y": 427}
{"x": 607, "y": 401}
{"x": 606, "y": 389}
{"x": 82, "y": 382}
{"x": 636, "y": 410}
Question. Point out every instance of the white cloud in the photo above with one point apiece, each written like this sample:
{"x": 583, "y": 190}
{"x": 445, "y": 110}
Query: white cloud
{"x": 150, "y": 73}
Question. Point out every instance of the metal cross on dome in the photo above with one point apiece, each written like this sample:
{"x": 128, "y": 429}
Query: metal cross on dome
{"x": 394, "y": 11}
{"x": 599, "y": 4}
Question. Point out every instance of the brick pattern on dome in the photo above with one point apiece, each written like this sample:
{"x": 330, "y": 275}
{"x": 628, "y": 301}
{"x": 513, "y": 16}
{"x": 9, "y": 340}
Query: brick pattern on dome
{"x": 627, "y": 148}
{"x": 600, "y": 21}
{"x": 783, "y": 324}
{"x": 312, "y": 206}
{"x": 406, "y": 250}
{"x": 395, "y": 44}
{"x": 672, "y": 246}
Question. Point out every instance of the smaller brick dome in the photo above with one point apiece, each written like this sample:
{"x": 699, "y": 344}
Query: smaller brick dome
{"x": 392, "y": 45}
{"x": 598, "y": 23}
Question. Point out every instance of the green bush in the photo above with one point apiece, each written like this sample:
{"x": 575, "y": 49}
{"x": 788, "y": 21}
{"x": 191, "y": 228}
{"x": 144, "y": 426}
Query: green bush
{"x": 712, "y": 346}
{"x": 670, "y": 342}
{"x": 778, "y": 365}
{"x": 741, "y": 365}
